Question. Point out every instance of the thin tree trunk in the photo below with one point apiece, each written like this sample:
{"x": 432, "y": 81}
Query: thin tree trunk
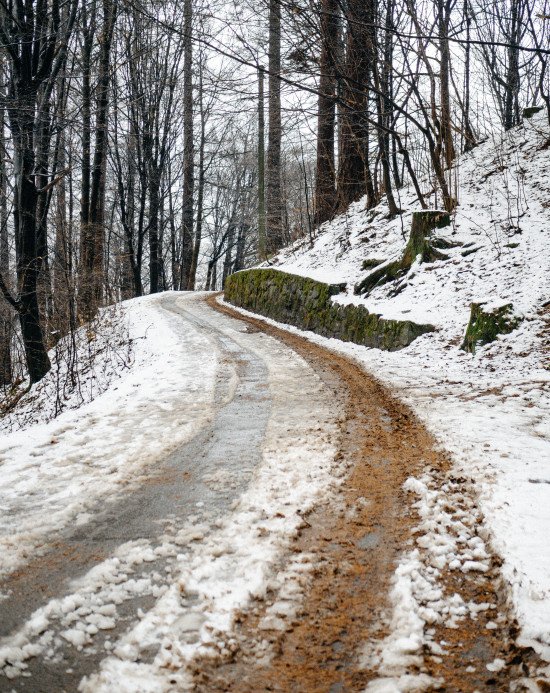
{"x": 86, "y": 242}
{"x": 511, "y": 105}
{"x": 469, "y": 136}
{"x": 189, "y": 149}
{"x": 444, "y": 11}
{"x": 262, "y": 243}
{"x": 274, "y": 200}
{"x": 154, "y": 245}
{"x": 96, "y": 260}
{"x": 6, "y": 318}
{"x": 200, "y": 194}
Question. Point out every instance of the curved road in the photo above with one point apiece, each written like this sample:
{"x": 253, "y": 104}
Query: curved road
{"x": 281, "y": 404}
{"x": 177, "y": 488}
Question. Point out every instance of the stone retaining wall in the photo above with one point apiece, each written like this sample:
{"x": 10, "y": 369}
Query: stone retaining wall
{"x": 306, "y": 303}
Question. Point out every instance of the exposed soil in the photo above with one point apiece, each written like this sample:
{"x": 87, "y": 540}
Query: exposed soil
{"x": 357, "y": 545}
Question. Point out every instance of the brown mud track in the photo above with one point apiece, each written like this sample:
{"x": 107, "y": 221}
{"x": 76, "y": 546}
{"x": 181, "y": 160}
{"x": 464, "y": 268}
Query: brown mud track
{"x": 357, "y": 543}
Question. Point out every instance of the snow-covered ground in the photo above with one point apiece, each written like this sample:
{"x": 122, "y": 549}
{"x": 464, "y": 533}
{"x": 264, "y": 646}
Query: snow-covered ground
{"x": 491, "y": 410}
{"x": 203, "y": 567}
{"x": 55, "y": 471}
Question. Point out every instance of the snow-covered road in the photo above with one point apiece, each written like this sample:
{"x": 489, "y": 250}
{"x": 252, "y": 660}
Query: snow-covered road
{"x": 133, "y": 528}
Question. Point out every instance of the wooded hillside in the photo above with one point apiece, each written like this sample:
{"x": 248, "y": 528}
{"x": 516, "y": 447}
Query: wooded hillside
{"x": 150, "y": 146}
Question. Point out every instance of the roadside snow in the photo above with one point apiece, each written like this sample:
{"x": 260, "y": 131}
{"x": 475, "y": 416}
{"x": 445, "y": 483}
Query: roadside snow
{"x": 235, "y": 563}
{"x": 54, "y": 472}
{"x": 491, "y": 410}
{"x": 205, "y": 568}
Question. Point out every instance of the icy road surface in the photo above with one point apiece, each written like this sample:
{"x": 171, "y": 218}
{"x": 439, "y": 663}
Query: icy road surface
{"x": 137, "y": 555}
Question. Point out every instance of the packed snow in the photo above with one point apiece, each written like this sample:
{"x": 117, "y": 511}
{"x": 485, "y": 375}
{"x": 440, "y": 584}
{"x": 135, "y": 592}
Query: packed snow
{"x": 55, "y": 471}
{"x": 204, "y": 568}
{"x": 491, "y": 410}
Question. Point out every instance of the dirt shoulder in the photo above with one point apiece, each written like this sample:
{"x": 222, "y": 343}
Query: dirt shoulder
{"x": 356, "y": 544}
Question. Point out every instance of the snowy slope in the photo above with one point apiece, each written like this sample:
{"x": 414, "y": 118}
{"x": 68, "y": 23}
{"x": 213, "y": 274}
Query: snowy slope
{"x": 504, "y": 211}
{"x": 491, "y": 410}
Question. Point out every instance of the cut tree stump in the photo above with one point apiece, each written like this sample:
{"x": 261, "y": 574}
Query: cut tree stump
{"x": 421, "y": 244}
{"x": 485, "y": 325}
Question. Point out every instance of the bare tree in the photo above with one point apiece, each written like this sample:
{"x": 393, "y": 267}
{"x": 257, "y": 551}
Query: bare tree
{"x": 35, "y": 40}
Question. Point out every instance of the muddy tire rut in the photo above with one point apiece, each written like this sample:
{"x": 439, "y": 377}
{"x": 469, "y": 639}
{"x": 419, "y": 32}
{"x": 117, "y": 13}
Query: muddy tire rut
{"x": 356, "y": 543}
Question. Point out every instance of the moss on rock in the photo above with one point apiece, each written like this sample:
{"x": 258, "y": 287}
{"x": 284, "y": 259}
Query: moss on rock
{"x": 485, "y": 326}
{"x": 307, "y": 304}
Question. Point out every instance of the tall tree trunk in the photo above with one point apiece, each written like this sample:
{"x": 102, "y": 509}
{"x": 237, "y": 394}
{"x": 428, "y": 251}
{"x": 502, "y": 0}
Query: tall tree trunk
{"x": 354, "y": 173}
{"x": 444, "y": 17}
{"x": 274, "y": 199}
{"x": 467, "y": 129}
{"x": 381, "y": 78}
{"x": 42, "y": 167}
{"x": 325, "y": 180}
{"x": 6, "y": 318}
{"x": 154, "y": 245}
{"x": 511, "y": 101}
{"x": 86, "y": 241}
{"x": 60, "y": 261}
{"x": 188, "y": 149}
{"x": 200, "y": 193}
{"x": 96, "y": 260}
{"x": 29, "y": 261}
{"x": 262, "y": 244}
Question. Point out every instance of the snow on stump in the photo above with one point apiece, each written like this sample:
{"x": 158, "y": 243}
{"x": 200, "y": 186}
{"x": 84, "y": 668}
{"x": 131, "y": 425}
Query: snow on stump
{"x": 485, "y": 325}
{"x": 422, "y": 245}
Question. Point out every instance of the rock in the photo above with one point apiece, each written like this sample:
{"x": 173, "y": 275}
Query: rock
{"x": 485, "y": 326}
{"x": 531, "y": 111}
{"x": 371, "y": 263}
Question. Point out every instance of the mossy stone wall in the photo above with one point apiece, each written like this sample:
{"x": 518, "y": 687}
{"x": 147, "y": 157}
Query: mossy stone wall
{"x": 306, "y": 303}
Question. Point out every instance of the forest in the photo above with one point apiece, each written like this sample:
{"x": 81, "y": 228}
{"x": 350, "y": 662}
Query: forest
{"x": 152, "y": 145}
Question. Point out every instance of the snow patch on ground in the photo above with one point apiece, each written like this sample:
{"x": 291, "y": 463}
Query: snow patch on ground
{"x": 235, "y": 563}
{"x": 446, "y": 539}
{"x": 54, "y": 472}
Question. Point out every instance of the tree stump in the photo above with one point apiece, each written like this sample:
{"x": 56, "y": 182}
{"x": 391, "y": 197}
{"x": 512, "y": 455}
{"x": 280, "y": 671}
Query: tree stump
{"x": 421, "y": 244}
